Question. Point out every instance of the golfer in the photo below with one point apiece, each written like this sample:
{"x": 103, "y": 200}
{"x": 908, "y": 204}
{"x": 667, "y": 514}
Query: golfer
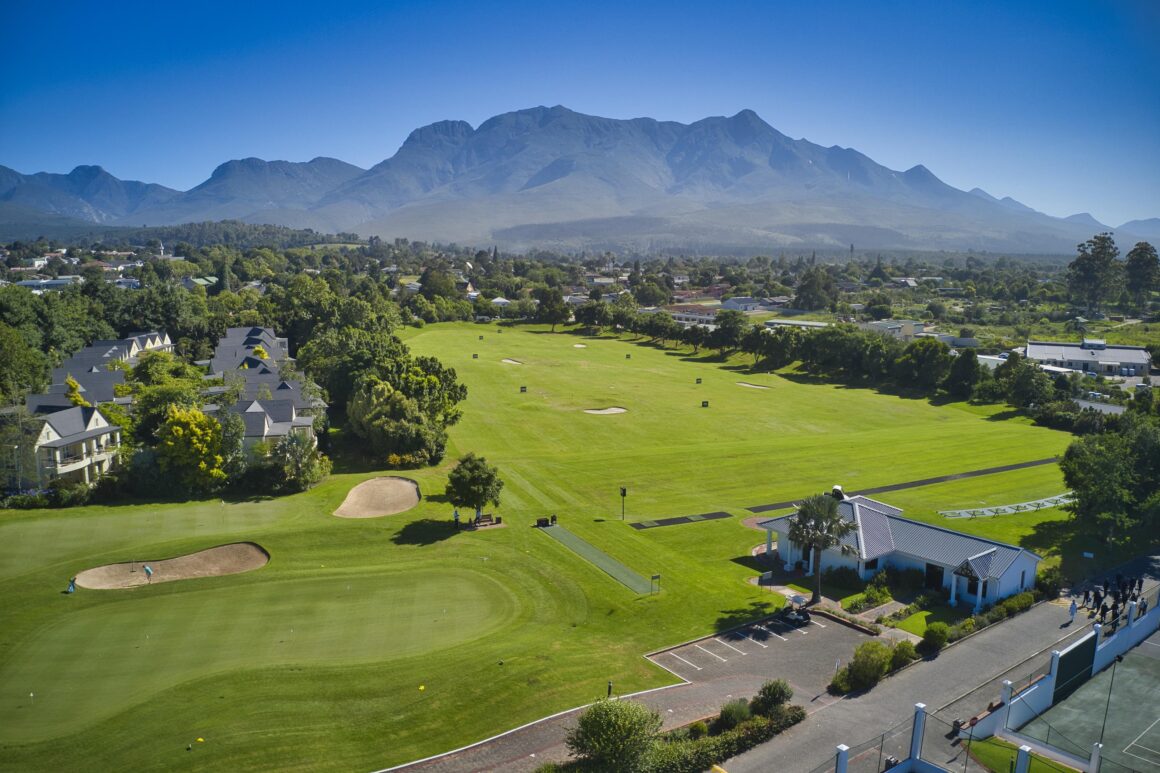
{"x": 1071, "y": 611}
{"x": 148, "y": 573}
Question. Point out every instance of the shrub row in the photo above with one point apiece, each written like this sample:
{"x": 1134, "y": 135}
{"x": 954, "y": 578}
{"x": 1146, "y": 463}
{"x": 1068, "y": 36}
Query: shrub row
{"x": 872, "y": 661}
{"x": 693, "y": 756}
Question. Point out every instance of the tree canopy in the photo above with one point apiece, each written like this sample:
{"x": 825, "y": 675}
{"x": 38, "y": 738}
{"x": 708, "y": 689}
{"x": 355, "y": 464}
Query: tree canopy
{"x": 474, "y": 483}
{"x": 819, "y": 525}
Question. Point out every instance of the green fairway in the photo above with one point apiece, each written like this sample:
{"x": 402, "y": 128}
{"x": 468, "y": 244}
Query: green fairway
{"x": 314, "y": 662}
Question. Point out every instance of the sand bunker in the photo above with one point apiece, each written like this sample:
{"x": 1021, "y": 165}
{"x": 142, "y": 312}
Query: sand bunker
{"x": 224, "y": 559}
{"x": 751, "y": 386}
{"x": 378, "y": 497}
{"x": 605, "y": 411}
{"x": 513, "y": 362}
{"x": 579, "y": 346}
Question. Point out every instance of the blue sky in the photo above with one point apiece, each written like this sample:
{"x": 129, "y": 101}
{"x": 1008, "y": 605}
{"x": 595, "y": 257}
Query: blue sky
{"x": 1055, "y": 103}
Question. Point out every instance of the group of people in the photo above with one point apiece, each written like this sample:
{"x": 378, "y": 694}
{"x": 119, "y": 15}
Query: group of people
{"x": 1112, "y": 597}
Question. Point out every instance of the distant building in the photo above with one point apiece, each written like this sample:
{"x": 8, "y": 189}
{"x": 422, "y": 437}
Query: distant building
{"x": 1092, "y": 355}
{"x": 689, "y": 314}
{"x": 741, "y": 303}
{"x": 902, "y": 329}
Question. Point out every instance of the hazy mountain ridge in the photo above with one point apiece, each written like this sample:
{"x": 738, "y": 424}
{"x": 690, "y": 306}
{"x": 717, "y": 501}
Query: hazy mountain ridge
{"x": 554, "y": 177}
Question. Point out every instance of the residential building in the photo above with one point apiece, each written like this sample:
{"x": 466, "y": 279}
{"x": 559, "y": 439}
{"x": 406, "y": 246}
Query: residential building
{"x": 76, "y": 444}
{"x": 979, "y": 570}
{"x": 902, "y": 329}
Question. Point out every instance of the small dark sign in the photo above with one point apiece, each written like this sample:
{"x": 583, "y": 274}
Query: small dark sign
{"x": 698, "y": 381}
{"x": 475, "y": 356}
{"x": 656, "y": 576}
{"x": 523, "y": 389}
{"x": 628, "y": 356}
{"x": 481, "y": 338}
{"x": 623, "y": 491}
{"x": 704, "y": 403}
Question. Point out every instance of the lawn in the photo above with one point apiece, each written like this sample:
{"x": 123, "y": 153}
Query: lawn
{"x": 918, "y": 622}
{"x": 315, "y": 662}
{"x": 1000, "y": 756}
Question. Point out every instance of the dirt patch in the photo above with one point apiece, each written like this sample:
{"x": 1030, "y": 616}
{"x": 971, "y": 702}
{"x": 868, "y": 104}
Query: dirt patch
{"x": 579, "y": 346}
{"x": 605, "y": 411}
{"x": 751, "y": 386}
{"x": 512, "y": 362}
{"x": 378, "y": 497}
{"x": 224, "y": 559}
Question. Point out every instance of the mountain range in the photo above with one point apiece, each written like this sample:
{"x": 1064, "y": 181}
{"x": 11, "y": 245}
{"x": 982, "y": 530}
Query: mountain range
{"x": 555, "y": 178}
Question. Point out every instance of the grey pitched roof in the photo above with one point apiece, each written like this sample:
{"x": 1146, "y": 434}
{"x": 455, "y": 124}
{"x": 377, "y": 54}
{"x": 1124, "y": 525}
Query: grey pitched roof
{"x": 882, "y": 530}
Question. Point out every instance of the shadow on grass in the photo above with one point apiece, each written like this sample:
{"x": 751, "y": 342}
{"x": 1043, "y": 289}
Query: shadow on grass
{"x": 425, "y": 532}
{"x": 753, "y": 563}
{"x": 1010, "y": 413}
{"x": 732, "y": 618}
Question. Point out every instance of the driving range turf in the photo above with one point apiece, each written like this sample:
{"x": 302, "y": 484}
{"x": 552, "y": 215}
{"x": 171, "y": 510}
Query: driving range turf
{"x": 315, "y": 662}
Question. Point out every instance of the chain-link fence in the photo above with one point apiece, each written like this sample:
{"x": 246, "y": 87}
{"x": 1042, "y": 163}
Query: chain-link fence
{"x": 942, "y": 746}
{"x": 882, "y": 752}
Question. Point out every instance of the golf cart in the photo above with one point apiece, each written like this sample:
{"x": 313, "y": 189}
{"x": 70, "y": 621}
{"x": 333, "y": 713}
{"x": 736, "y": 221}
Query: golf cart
{"x": 794, "y": 613}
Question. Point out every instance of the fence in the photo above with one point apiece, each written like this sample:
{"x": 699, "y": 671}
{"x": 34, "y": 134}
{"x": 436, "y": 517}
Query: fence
{"x": 881, "y": 752}
{"x": 942, "y": 746}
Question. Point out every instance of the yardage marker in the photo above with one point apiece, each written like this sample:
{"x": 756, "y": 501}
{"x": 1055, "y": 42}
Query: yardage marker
{"x": 678, "y": 657}
{"x": 771, "y": 633}
{"x": 755, "y": 641}
{"x": 707, "y": 652}
{"x": 730, "y": 646}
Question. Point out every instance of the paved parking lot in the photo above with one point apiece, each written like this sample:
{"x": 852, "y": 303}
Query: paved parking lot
{"x": 805, "y": 657}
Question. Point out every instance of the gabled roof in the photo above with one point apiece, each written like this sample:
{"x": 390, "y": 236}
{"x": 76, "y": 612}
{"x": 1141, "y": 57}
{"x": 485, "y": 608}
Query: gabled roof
{"x": 881, "y": 530}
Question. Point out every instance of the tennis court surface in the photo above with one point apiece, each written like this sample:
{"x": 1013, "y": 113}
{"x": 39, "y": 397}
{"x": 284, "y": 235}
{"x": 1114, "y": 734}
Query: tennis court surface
{"x": 1131, "y": 733}
{"x": 599, "y": 559}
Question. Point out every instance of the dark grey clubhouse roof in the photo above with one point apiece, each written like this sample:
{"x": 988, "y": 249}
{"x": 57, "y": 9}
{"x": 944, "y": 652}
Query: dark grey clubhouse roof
{"x": 882, "y": 530}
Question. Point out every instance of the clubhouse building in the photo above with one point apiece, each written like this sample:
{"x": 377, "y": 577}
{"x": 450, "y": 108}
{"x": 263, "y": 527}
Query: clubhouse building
{"x": 979, "y": 571}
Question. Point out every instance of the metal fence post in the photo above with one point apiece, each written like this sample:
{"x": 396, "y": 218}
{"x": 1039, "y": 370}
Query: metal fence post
{"x": 1023, "y": 760}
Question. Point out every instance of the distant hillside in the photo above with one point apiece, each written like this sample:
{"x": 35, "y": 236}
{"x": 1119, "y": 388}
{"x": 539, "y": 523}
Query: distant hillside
{"x": 551, "y": 177}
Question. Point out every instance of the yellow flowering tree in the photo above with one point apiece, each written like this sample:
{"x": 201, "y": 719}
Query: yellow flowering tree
{"x": 189, "y": 450}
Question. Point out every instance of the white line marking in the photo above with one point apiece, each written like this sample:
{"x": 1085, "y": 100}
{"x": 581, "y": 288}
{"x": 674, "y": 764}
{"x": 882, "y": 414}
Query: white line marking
{"x": 1145, "y": 748}
{"x": 1154, "y": 644}
{"x": 771, "y": 633}
{"x": 678, "y": 657}
{"x": 1141, "y": 735}
{"x": 815, "y": 622}
{"x": 730, "y": 646}
{"x": 1137, "y": 756}
{"x": 755, "y": 641}
{"x": 707, "y": 652}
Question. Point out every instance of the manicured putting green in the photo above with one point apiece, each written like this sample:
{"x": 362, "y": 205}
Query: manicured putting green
{"x": 107, "y": 658}
{"x": 599, "y": 559}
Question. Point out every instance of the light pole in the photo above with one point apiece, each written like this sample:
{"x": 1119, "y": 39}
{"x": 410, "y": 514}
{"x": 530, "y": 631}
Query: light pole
{"x": 1108, "y": 705}
{"x": 623, "y": 494}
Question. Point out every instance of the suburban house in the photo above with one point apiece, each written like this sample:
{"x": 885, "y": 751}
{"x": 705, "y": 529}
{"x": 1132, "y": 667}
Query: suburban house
{"x": 803, "y": 324}
{"x": 1092, "y": 355}
{"x": 77, "y": 445}
{"x": 982, "y": 571}
{"x": 272, "y": 404}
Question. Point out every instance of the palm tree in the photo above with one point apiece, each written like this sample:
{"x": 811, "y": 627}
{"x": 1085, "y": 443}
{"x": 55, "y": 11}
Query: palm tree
{"x": 819, "y": 525}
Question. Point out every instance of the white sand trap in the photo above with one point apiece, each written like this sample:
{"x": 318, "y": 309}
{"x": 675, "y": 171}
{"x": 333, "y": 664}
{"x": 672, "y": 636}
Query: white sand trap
{"x": 224, "y": 559}
{"x": 605, "y": 411}
{"x": 579, "y": 346}
{"x": 513, "y": 362}
{"x": 378, "y": 497}
{"x": 751, "y": 386}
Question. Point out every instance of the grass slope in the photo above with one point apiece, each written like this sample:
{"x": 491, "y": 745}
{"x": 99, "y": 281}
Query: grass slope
{"x": 315, "y": 661}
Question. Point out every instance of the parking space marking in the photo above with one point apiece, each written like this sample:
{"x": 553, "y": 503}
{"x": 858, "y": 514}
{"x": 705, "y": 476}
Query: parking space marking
{"x": 771, "y": 633}
{"x": 815, "y": 622}
{"x": 755, "y": 641}
{"x": 707, "y": 652}
{"x": 678, "y": 657}
{"x": 790, "y": 627}
{"x": 730, "y": 646}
